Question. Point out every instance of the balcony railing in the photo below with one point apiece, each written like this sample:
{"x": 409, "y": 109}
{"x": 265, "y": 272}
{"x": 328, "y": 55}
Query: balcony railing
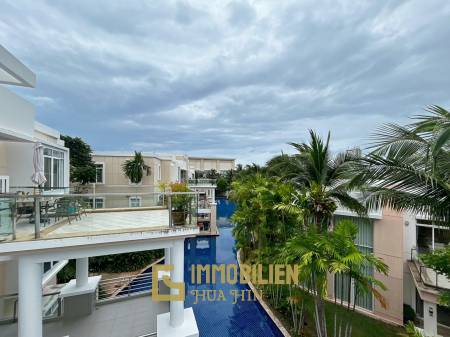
{"x": 428, "y": 276}
{"x": 51, "y": 307}
{"x": 202, "y": 182}
{"x": 27, "y": 216}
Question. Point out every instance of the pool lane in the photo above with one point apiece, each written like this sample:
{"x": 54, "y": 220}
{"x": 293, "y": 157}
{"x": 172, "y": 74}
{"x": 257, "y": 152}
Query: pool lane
{"x": 222, "y": 318}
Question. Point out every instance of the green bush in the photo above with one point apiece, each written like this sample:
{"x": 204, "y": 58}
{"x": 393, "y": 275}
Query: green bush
{"x": 408, "y": 314}
{"x": 67, "y": 273}
{"x": 118, "y": 263}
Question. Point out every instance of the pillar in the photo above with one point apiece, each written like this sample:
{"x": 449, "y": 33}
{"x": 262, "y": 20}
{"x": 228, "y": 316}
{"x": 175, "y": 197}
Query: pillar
{"x": 30, "y": 298}
{"x": 177, "y": 260}
{"x": 430, "y": 318}
{"x": 167, "y": 256}
{"x": 82, "y": 271}
{"x": 213, "y": 219}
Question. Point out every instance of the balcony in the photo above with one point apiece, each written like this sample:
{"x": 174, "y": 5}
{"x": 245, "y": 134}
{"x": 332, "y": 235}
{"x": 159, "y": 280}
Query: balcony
{"x": 374, "y": 213}
{"x": 202, "y": 182}
{"x": 426, "y": 277}
{"x": 31, "y": 216}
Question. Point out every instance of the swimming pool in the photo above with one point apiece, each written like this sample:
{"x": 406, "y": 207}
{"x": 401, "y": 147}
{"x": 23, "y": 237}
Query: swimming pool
{"x": 223, "y": 318}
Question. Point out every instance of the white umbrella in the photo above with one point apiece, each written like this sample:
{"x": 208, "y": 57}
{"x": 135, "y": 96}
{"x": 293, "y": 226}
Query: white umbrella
{"x": 38, "y": 176}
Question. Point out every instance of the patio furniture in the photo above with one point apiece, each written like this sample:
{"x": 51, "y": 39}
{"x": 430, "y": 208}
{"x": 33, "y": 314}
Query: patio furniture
{"x": 64, "y": 208}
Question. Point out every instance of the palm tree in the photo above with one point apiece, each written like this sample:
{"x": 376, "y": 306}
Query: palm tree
{"x": 134, "y": 168}
{"x": 409, "y": 166}
{"x": 322, "y": 178}
{"x": 319, "y": 253}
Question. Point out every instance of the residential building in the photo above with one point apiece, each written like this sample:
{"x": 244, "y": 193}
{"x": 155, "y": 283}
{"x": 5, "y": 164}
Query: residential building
{"x": 396, "y": 238}
{"x": 43, "y": 228}
{"x": 162, "y": 168}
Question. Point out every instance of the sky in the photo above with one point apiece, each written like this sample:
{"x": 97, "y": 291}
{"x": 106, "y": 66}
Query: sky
{"x": 235, "y": 79}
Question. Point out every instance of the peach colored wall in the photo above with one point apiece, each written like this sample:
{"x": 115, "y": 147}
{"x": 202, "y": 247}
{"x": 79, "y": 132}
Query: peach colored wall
{"x": 388, "y": 245}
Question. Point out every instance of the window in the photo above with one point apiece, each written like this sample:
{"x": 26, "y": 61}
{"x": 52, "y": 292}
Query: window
{"x": 53, "y": 168}
{"x": 342, "y": 288}
{"x": 99, "y": 202}
{"x": 99, "y": 173}
{"x": 134, "y": 201}
{"x": 430, "y": 237}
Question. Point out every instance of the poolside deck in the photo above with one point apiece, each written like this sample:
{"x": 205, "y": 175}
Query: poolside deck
{"x": 128, "y": 318}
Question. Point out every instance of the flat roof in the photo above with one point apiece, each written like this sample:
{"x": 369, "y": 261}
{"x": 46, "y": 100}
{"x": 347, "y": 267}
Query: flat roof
{"x": 161, "y": 156}
{"x": 14, "y": 72}
{"x": 211, "y": 158}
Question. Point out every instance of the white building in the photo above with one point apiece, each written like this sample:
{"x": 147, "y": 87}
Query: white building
{"x": 41, "y": 231}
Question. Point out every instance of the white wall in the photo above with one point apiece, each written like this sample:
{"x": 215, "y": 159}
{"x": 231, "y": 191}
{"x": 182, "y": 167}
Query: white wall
{"x": 18, "y": 164}
{"x": 16, "y": 114}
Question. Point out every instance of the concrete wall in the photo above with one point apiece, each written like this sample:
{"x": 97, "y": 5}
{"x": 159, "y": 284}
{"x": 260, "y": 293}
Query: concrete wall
{"x": 16, "y": 114}
{"x": 388, "y": 245}
{"x": 113, "y": 172}
{"x": 218, "y": 164}
{"x": 17, "y": 161}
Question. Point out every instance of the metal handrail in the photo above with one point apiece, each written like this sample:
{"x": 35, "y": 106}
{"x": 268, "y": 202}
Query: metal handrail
{"x": 77, "y": 195}
{"x": 15, "y": 297}
{"x": 202, "y": 180}
{"x": 422, "y": 269}
{"x": 125, "y": 286}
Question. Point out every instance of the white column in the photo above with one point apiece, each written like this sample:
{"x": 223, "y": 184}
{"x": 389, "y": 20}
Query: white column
{"x": 82, "y": 271}
{"x": 177, "y": 260}
{"x": 167, "y": 256}
{"x": 30, "y": 298}
{"x": 429, "y": 318}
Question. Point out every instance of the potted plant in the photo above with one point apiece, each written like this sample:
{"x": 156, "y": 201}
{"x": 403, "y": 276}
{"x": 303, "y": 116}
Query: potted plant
{"x": 134, "y": 168}
{"x": 180, "y": 203}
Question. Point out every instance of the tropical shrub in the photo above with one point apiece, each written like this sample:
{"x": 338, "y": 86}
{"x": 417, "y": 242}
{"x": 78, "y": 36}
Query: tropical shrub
{"x": 180, "y": 202}
{"x": 134, "y": 168}
{"x": 408, "y": 314}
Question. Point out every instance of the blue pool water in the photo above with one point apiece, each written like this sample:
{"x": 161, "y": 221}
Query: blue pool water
{"x": 223, "y": 318}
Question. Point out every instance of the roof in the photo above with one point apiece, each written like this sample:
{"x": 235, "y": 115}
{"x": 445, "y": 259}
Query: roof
{"x": 211, "y": 158}
{"x": 14, "y": 72}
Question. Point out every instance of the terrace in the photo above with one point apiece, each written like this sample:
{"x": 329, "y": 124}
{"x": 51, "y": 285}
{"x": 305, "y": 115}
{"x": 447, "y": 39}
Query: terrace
{"x": 202, "y": 182}
{"x": 42, "y": 216}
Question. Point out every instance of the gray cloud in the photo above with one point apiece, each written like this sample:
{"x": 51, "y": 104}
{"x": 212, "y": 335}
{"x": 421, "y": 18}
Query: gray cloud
{"x": 236, "y": 78}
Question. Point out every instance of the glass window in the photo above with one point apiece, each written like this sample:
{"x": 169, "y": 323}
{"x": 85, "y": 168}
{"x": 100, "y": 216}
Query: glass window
{"x": 99, "y": 169}
{"x": 364, "y": 241}
{"x": 441, "y": 237}
{"x": 135, "y": 202}
{"x": 53, "y": 168}
{"x": 99, "y": 202}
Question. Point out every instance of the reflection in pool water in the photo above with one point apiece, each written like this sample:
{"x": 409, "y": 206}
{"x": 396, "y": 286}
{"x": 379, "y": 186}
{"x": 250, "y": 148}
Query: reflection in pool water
{"x": 222, "y": 318}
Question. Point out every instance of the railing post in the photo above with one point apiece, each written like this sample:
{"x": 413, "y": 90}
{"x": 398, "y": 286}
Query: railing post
{"x": 93, "y": 199}
{"x": 59, "y": 306}
{"x": 169, "y": 206}
{"x": 14, "y": 218}
{"x": 37, "y": 218}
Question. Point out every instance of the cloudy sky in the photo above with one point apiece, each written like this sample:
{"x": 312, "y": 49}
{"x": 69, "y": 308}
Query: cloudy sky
{"x": 229, "y": 78}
